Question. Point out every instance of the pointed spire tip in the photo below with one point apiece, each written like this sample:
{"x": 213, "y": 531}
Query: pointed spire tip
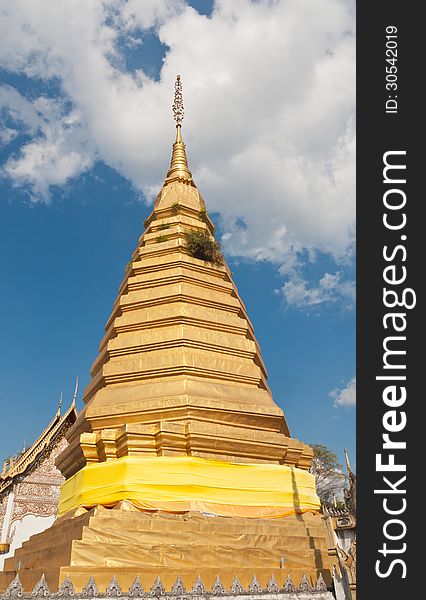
{"x": 58, "y": 413}
{"x": 75, "y": 392}
{"x": 178, "y": 110}
{"x": 348, "y": 464}
{"x": 179, "y": 169}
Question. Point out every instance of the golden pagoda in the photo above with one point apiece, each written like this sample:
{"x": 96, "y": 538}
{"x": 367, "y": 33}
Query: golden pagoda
{"x": 180, "y": 466}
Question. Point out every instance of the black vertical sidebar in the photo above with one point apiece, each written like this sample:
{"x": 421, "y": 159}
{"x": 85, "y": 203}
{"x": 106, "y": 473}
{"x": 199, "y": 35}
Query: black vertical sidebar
{"x": 379, "y": 132}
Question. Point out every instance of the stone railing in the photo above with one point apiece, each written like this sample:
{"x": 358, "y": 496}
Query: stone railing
{"x": 178, "y": 592}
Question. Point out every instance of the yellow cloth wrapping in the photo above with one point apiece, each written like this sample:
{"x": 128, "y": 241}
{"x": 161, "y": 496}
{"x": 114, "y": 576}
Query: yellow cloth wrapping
{"x": 178, "y": 484}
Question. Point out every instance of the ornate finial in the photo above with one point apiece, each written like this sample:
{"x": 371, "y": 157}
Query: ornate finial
{"x": 348, "y": 464}
{"x": 178, "y": 102}
{"x": 41, "y": 589}
{"x": 67, "y": 588}
{"x": 272, "y": 587}
{"x": 90, "y": 590}
{"x": 304, "y": 585}
{"x": 289, "y": 587}
{"x": 179, "y": 170}
{"x": 59, "y": 405}
{"x": 15, "y": 589}
{"x": 158, "y": 588}
{"x": 236, "y": 587}
{"x": 75, "y": 392}
{"x": 198, "y": 588}
{"x": 136, "y": 590}
{"x": 254, "y": 586}
{"x": 178, "y": 588}
{"x": 113, "y": 590}
{"x": 218, "y": 586}
{"x": 321, "y": 585}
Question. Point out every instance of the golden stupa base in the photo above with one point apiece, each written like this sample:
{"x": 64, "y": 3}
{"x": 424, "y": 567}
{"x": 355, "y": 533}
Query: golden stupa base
{"x": 125, "y": 542}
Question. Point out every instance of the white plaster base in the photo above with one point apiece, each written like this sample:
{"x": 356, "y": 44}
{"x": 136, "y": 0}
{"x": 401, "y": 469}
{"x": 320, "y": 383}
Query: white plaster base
{"x": 21, "y": 531}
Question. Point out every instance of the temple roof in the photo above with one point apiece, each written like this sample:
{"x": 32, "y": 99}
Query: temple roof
{"x": 12, "y": 469}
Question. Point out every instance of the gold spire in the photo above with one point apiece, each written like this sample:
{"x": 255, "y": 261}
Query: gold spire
{"x": 179, "y": 169}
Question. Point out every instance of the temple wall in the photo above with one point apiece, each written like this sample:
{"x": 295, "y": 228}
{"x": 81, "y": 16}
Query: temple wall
{"x": 29, "y": 505}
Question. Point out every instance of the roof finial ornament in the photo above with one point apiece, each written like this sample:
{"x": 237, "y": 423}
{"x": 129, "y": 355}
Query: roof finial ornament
{"x": 348, "y": 464}
{"x": 75, "y": 392}
{"x": 60, "y": 404}
{"x": 178, "y": 111}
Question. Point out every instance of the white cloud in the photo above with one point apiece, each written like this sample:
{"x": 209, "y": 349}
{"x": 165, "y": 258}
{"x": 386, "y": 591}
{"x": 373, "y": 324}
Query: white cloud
{"x": 269, "y": 97}
{"x": 345, "y": 396}
{"x": 16, "y": 109}
{"x": 60, "y": 150}
{"x": 330, "y": 289}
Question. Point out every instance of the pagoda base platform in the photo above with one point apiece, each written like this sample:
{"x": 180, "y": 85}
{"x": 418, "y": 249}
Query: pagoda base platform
{"x": 125, "y": 542}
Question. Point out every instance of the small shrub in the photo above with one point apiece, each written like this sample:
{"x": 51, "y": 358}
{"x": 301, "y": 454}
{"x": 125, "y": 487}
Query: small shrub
{"x": 175, "y": 208}
{"x": 201, "y": 245}
{"x": 162, "y": 238}
{"x": 164, "y": 226}
{"x": 128, "y": 266}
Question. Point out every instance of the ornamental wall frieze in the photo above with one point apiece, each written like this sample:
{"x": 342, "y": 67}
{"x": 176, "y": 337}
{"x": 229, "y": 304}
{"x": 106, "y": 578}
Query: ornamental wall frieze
{"x": 177, "y": 592}
{"x": 43, "y": 480}
{"x": 36, "y": 508}
{"x": 27, "y": 504}
{"x": 25, "y": 490}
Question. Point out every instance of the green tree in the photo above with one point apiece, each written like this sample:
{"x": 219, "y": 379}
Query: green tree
{"x": 329, "y": 478}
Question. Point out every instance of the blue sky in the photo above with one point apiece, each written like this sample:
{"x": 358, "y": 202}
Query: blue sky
{"x": 78, "y": 173}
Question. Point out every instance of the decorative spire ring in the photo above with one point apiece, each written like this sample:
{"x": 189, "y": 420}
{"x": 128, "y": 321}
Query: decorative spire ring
{"x": 177, "y": 107}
